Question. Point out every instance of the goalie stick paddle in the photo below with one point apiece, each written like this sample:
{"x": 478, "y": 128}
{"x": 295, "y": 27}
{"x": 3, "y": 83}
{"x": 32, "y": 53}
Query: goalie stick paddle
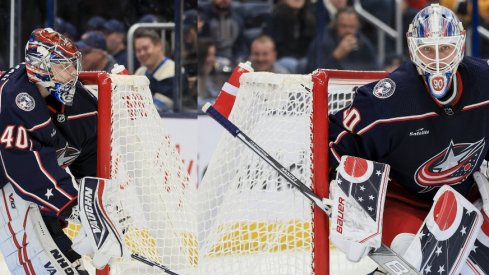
{"x": 383, "y": 256}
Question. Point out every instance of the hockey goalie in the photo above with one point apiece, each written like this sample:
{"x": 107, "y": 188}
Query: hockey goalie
{"x": 47, "y": 124}
{"x": 428, "y": 121}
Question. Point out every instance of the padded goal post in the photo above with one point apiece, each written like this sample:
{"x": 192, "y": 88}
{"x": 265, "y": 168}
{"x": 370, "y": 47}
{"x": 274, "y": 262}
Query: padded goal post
{"x": 251, "y": 220}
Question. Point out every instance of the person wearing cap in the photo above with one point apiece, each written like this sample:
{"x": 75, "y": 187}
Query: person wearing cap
{"x": 158, "y": 68}
{"x": 115, "y": 37}
{"x": 148, "y": 18}
{"x": 95, "y": 23}
{"x": 94, "y": 52}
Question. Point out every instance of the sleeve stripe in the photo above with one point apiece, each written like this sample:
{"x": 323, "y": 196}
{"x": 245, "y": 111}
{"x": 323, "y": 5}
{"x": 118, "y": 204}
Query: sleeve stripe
{"x": 19, "y": 188}
{"x": 50, "y": 177}
{"x": 477, "y": 105}
{"x": 82, "y": 115}
{"x": 395, "y": 119}
{"x": 44, "y": 124}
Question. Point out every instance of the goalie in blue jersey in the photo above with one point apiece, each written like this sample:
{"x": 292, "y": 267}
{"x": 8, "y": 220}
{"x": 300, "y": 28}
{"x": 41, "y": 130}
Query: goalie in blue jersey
{"x": 428, "y": 120}
{"x": 48, "y": 124}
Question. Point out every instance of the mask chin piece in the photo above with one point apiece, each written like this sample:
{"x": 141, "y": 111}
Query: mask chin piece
{"x": 438, "y": 84}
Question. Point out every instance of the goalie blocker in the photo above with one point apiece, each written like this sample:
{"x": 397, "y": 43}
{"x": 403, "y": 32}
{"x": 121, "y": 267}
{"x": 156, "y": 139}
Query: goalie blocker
{"x": 358, "y": 196}
{"x": 99, "y": 236}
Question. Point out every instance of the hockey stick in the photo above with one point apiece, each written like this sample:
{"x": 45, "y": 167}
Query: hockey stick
{"x": 383, "y": 256}
{"x": 151, "y": 263}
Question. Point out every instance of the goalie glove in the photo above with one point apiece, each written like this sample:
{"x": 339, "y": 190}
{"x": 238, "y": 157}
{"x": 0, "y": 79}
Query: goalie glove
{"x": 99, "y": 236}
{"x": 358, "y": 195}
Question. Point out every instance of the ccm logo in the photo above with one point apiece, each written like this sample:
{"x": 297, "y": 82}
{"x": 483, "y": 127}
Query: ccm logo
{"x": 339, "y": 219}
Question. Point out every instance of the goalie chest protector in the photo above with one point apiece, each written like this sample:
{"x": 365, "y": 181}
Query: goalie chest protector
{"x": 395, "y": 121}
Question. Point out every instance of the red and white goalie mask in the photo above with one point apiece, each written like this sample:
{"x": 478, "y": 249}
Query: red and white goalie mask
{"x": 436, "y": 40}
{"x": 53, "y": 62}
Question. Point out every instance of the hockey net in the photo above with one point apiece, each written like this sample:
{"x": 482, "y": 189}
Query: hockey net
{"x": 252, "y": 220}
{"x": 152, "y": 185}
{"x": 243, "y": 218}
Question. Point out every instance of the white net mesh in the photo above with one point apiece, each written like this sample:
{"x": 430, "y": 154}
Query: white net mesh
{"x": 154, "y": 187}
{"x": 252, "y": 221}
{"x": 243, "y": 218}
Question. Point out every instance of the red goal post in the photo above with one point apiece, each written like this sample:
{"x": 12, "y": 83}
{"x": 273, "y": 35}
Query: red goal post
{"x": 332, "y": 90}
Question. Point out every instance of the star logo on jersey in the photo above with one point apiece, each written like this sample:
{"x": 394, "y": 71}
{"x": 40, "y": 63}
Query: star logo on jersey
{"x": 49, "y": 193}
{"x": 66, "y": 155}
{"x": 451, "y": 166}
{"x": 384, "y": 88}
{"x": 25, "y": 102}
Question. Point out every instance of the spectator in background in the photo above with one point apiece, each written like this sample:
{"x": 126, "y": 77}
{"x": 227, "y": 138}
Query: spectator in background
{"x": 263, "y": 55}
{"x": 343, "y": 45}
{"x": 94, "y": 59}
{"x": 291, "y": 26}
{"x": 65, "y": 28}
{"x": 189, "y": 57}
{"x": 225, "y": 26}
{"x": 208, "y": 88}
{"x": 95, "y": 39}
{"x": 94, "y": 55}
{"x": 332, "y": 6}
{"x": 158, "y": 68}
{"x": 484, "y": 22}
{"x": 417, "y": 4}
{"x": 149, "y": 18}
{"x": 115, "y": 37}
{"x": 95, "y": 23}
{"x": 462, "y": 8}
{"x": 190, "y": 36}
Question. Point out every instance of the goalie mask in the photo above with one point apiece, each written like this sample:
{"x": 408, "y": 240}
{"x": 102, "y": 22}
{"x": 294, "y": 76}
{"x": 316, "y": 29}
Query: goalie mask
{"x": 53, "y": 62}
{"x": 436, "y": 40}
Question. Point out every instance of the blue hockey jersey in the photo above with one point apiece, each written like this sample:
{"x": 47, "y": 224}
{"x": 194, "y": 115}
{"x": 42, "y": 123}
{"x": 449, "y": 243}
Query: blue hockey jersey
{"x": 40, "y": 137}
{"x": 396, "y": 121}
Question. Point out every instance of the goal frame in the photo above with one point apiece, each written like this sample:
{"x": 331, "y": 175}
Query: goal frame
{"x": 320, "y": 80}
{"x": 104, "y": 113}
{"x": 320, "y": 131}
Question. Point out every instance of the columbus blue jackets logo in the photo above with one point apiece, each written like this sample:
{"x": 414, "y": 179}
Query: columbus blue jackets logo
{"x": 67, "y": 155}
{"x": 25, "y": 102}
{"x": 384, "y": 88}
{"x": 451, "y": 166}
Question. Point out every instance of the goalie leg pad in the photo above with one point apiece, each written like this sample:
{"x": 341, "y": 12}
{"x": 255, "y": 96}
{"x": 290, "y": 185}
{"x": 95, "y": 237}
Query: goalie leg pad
{"x": 447, "y": 235}
{"x": 25, "y": 241}
{"x": 477, "y": 262}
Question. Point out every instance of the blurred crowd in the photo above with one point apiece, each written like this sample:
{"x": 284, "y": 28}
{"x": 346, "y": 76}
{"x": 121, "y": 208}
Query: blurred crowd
{"x": 100, "y": 33}
{"x": 103, "y": 44}
{"x": 299, "y": 36}
{"x": 280, "y": 36}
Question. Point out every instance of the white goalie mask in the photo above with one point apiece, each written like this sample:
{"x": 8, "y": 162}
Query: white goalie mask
{"x": 436, "y": 40}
